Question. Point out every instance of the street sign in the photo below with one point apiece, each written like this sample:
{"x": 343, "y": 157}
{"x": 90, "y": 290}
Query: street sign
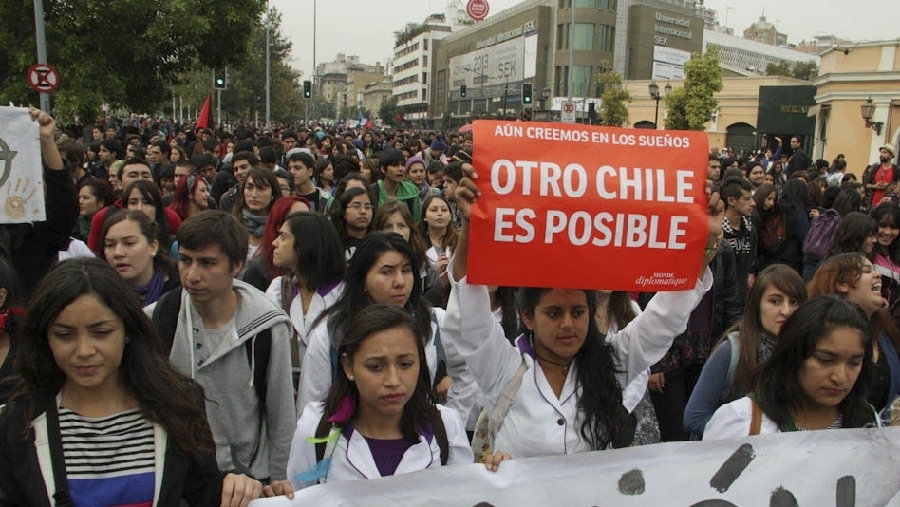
{"x": 477, "y": 9}
{"x": 568, "y": 112}
{"x": 43, "y": 78}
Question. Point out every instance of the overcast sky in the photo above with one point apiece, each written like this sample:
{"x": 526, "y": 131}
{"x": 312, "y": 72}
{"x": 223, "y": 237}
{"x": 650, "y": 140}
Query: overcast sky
{"x": 366, "y": 27}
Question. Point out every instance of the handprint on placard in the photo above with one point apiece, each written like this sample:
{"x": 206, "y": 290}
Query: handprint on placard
{"x": 17, "y": 197}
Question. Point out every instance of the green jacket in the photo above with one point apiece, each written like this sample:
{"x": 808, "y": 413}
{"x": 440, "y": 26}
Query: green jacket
{"x": 407, "y": 193}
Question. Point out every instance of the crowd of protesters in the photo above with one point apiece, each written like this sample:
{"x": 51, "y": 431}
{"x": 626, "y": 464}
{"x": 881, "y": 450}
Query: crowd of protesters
{"x": 216, "y": 316}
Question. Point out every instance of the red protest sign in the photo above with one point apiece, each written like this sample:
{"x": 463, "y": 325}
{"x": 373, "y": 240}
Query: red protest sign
{"x": 577, "y": 206}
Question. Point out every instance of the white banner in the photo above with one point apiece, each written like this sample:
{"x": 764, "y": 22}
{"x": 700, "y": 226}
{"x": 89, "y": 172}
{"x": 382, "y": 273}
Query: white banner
{"x": 21, "y": 174}
{"x": 842, "y": 468}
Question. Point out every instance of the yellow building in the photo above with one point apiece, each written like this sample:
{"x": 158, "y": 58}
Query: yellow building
{"x": 848, "y": 77}
{"x": 735, "y": 121}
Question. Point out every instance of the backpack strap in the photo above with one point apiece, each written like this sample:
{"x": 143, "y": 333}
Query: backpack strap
{"x": 440, "y": 434}
{"x": 732, "y": 365}
{"x": 755, "y": 418}
{"x": 61, "y": 497}
{"x": 505, "y": 401}
{"x": 322, "y": 431}
{"x": 287, "y": 297}
{"x": 258, "y": 352}
{"x": 165, "y": 317}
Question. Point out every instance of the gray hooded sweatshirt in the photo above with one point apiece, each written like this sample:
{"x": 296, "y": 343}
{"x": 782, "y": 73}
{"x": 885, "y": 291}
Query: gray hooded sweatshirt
{"x": 243, "y": 443}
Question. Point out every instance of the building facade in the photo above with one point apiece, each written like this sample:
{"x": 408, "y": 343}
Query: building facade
{"x": 743, "y": 57}
{"x": 765, "y": 33}
{"x": 411, "y": 68}
{"x": 847, "y": 80}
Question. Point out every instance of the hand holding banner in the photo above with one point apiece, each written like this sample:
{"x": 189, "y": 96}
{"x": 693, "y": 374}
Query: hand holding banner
{"x": 577, "y": 206}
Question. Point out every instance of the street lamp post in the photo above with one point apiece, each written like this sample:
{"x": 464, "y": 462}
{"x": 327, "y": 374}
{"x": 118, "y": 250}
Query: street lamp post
{"x": 654, "y": 94}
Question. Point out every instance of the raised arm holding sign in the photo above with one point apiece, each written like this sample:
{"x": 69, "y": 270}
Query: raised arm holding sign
{"x": 569, "y": 399}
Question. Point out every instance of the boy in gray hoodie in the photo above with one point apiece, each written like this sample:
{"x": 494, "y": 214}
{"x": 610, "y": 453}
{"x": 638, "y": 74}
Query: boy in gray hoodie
{"x": 222, "y": 325}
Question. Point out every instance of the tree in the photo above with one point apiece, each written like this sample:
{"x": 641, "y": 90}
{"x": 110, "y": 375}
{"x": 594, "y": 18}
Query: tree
{"x": 613, "y": 111}
{"x": 389, "y": 111}
{"x": 246, "y": 94}
{"x": 408, "y": 33}
{"x": 126, "y": 53}
{"x": 690, "y": 107}
{"x": 797, "y": 70}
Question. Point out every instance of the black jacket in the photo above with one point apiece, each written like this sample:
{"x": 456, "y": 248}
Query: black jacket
{"x": 22, "y": 481}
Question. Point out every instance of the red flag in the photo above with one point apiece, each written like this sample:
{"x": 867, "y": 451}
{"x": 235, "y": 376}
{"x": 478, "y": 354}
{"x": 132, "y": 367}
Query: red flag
{"x": 205, "y": 118}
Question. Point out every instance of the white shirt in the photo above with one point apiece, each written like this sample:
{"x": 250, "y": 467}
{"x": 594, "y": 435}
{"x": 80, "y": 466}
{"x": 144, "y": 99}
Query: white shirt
{"x": 321, "y": 301}
{"x": 733, "y": 421}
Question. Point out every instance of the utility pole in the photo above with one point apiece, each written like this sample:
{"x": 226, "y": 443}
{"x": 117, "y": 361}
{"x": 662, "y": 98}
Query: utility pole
{"x": 268, "y": 68}
{"x": 41, "y": 37}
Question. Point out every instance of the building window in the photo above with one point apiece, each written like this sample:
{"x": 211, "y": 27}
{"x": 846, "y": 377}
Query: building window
{"x": 586, "y": 4}
{"x": 562, "y": 80}
{"x": 603, "y": 42}
{"x": 425, "y": 44}
{"x": 583, "y": 36}
{"x": 564, "y": 4}
{"x": 606, "y": 4}
{"x": 561, "y": 38}
{"x": 424, "y": 78}
{"x": 581, "y": 81}
{"x": 425, "y": 61}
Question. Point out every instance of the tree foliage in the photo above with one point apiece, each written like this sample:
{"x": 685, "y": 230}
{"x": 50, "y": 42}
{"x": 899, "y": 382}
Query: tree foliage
{"x": 408, "y": 33}
{"x": 245, "y": 96}
{"x": 690, "y": 107}
{"x": 389, "y": 111}
{"x": 125, "y": 53}
{"x": 613, "y": 111}
{"x": 797, "y": 70}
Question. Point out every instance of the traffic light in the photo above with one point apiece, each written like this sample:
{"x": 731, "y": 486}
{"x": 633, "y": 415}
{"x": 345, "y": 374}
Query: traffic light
{"x": 219, "y": 79}
{"x": 526, "y": 93}
{"x": 307, "y": 89}
{"x": 462, "y": 90}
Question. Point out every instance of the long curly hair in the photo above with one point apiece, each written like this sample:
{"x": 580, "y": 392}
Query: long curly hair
{"x": 165, "y": 395}
{"x": 606, "y": 421}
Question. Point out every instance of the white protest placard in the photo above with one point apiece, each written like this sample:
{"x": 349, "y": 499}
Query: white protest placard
{"x": 840, "y": 468}
{"x": 21, "y": 174}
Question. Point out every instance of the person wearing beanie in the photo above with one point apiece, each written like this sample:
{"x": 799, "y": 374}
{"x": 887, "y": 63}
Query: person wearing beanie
{"x": 435, "y": 151}
{"x": 415, "y": 172}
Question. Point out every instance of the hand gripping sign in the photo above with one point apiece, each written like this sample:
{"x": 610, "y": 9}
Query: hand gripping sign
{"x": 577, "y": 206}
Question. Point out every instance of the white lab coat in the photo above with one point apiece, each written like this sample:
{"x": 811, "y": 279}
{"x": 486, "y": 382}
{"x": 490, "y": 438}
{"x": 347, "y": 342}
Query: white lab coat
{"x": 733, "y": 421}
{"x": 539, "y": 423}
{"x": 321, "y": 301}
{"x": 352, "y": 460}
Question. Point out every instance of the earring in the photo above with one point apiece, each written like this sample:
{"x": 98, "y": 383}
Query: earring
{"x": 350, "y": 377}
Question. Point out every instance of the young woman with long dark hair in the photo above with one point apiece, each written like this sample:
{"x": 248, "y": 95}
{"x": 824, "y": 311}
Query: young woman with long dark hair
{"x": 99, "y": 399}
{"x": 730, "y": 371}
{"x": 569, "y": 399}
{"x": 130, "y": 245}
{"x": 379, "y": 417}
{"x": 853, "y": 277}
{"x": 817, "y": 377}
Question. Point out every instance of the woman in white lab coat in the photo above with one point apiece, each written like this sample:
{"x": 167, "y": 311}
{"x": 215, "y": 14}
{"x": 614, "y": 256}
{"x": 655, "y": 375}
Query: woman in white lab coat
{"x": 379, "y": 418}
{"x": 568, "y": 399}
